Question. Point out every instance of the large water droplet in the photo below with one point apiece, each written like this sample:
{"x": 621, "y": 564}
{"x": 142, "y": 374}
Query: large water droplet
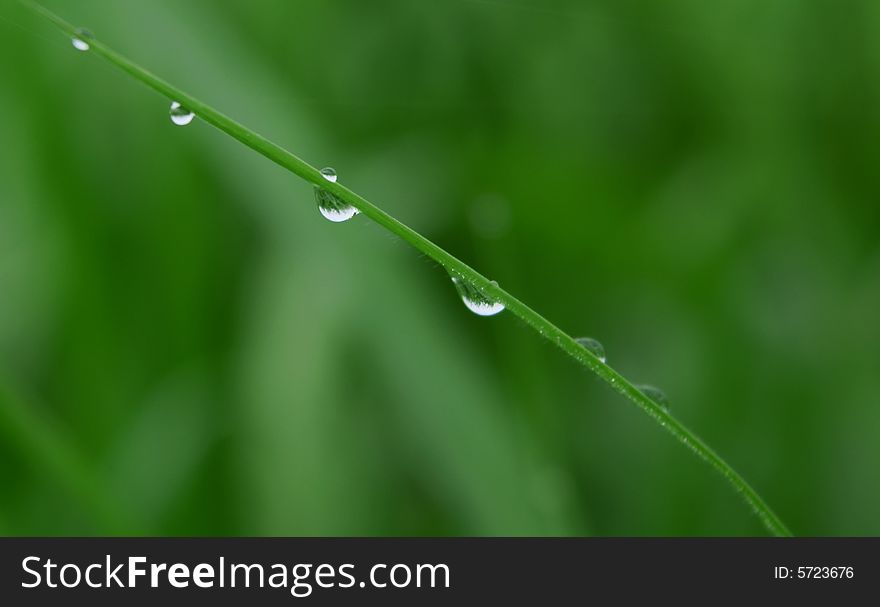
{"x": 79, "y": 41}
{"x": 475, "y": 300}
{"x": 329, "y": 205}
{"x": 592, "y": 346}
{"x": 180, "y": 115}
{"x": 655, "y": 394}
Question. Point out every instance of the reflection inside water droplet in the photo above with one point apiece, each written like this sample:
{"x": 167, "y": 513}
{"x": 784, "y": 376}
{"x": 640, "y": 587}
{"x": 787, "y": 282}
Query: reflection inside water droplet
{"x": 592, "y": 346}
{"x": 180, "y": 115}
{"x": 475, "y": 300}
{"x": 655, "y": 394}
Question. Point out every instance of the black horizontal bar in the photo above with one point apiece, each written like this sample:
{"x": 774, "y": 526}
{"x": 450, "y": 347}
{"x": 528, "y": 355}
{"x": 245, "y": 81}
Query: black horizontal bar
{"x": 435, "y": 571}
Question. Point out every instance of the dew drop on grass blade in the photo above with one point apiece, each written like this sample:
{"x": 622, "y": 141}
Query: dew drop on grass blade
{"x": 80, "y": 41}
{"x": 331, "y": 207}
{"x": 655, "y": 394}
{"x": 475, "y": 300}
{"x": 592, "y": 346}
{"x": 180, "y": 115}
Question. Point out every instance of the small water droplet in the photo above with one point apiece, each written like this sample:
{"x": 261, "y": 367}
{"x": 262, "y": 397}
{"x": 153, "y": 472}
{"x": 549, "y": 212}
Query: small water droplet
{"x": 80, "y": 40}
{"x": 655, "y": 394}
{"x": 329, "y": 205}
{"x": 592, "y": 346}
{"x": 180, "y": 115}
{"x": 475, "y": 300}
{"x": 329, "y": 174}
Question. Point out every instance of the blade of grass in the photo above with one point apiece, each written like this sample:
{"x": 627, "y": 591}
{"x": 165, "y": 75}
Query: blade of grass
{"x": 452, "y": 264}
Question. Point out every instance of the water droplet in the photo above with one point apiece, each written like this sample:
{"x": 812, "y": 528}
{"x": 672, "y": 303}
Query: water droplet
{"x": 79, "y": 41}
{"x": 592, "y": 346}
{"x": 329, "y": 205}
{"x": 655, "y": 394}
{"x": 180, "y": 115}
{"x": 329, "y": 174}
{"x": 475, "y": 300}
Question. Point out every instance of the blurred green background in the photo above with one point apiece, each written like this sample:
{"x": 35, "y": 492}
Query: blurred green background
{"x": 187, "y": 347}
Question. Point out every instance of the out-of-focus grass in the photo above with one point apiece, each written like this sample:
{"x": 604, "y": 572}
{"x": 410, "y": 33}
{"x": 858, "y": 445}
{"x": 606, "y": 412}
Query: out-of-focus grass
{"x": 218, "y": 353}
